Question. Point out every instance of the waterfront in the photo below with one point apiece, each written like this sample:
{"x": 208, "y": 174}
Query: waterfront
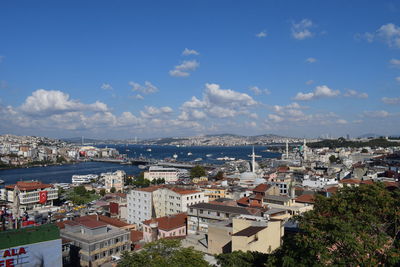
{"x": 63, "y": 173}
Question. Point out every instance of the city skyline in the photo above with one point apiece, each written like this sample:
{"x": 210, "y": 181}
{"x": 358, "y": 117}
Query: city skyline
{"x": 158, "y": 69}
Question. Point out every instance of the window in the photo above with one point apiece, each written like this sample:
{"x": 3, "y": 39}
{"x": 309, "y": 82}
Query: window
{"x": 201, "y": 212}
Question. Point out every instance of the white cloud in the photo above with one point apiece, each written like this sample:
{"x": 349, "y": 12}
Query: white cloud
{"x": 139, "y": 97}
{"x": 275, "y": 118}
{"x": 311, "y": 60}
{"x": 257, "y": 91}
{"x": 301, "y": 30}
{"x": 376, "y": 114}
{"x": 388, "y": 33}
{"x": 188, "y": 52}
{"x": 341, "y": 121}
{"x": 227, "y": 96}
{"x": 106, "y": 86}
{"x": 354, "y": 93}
{"x": 147, "y": 88}
{"x": 151, "y": 111}
{"x": 322, "y": 91}
{"x": 261, "y": 34}
{"x": 309, "y": 82}
{"x": 395, "y": 62}
{"x": 183, "y": 70}
{"x": 45, "y": 102}
{"x": 391, "y": 101}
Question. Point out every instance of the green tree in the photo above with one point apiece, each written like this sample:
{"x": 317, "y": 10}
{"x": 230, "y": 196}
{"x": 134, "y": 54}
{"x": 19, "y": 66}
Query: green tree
{"x": 112, "y": 190}
{"x": 358, "y": 226}
{"x": 219, "y": 175}
{"x": 197, "y": 171}
{"x": 242, "y": 259}
{"x": 102, "y": 192}
{"x": 164, "y": 252}
{"x": 364, "y": 150}
{"x": 332, "y": 159}
{"x": 80, "y": 190}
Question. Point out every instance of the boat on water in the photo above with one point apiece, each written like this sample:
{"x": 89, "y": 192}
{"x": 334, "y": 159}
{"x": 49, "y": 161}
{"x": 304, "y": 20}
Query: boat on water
{"x": 209, "y": 155}
{"x": 83, "y": 179}
{"x": 142, "y": 167}
{"x": 226, "y": 158}
{"x": 148, "y": 150}
{"x": 175, "y": 156}
{"x": 1, "y": 181}
{"x": 198, "y": 159}
{"x": 189, "y": 153}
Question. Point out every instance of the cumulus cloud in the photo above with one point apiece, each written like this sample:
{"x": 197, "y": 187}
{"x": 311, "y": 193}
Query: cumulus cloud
{"x": 261, "y": 34}
{"x": 257, "y": 91}
{"x": 376, "y": 114}
{"x": 391, "y": 101}
{"x": 311, "y": 60}
{"x": 184, "y": 69}
{"x": 147, "y": 88}
{"x": 341, "y": 121}
{"x": 220, "y": 96}
{"x": 139, "y": 97}
{"x": 301, "y": 30}
{"x": 150, "y": 111}
{"x": 395, "y": 62}
{"x": 388, "y": 33}
{"x": 106, "y": 86}
{"x": 188, "y": 52}
{"x": 354, "y": 93}
{"x": 309, "y": 82}
{"x": 45, "y": 102}
{"x": 322, "y": 91}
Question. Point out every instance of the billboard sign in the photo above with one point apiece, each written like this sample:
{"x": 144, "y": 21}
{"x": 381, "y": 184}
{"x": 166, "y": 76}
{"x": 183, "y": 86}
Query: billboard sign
{"x": 42, "y": 254}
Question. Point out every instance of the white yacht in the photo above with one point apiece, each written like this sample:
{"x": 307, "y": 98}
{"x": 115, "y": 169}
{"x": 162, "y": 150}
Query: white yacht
{"x": 189, "y": 153}
{"x": 83, "y": 179}
{"x": 175, "y": 156}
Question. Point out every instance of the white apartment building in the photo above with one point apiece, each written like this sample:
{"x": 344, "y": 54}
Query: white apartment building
{"x": 31, "y": 194}
{"x": 140, "y": 205}
{"x": 170, "y": 175}
{"x": 114, "y": 179}
{"x": 168, "y": 201}
{"x": 318, "y": 182}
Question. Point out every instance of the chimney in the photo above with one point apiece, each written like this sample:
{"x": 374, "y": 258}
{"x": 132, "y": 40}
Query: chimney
{"x": 154, "y": 230}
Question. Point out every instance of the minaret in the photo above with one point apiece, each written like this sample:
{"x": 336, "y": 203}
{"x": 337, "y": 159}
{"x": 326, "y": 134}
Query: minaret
{"x": 287, "y": 149}
{"x": 253, "y": 163}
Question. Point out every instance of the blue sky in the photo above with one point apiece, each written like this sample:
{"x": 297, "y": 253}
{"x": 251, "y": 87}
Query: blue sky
{"x": 119, "y": 69}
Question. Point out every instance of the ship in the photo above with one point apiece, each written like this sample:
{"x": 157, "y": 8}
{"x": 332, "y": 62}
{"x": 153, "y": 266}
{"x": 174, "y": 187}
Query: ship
{"x": 198, "y": 159}
{"x": 175, "y": 156}
{"x": 189, "y": 153}
{"x": 83, "y": 179}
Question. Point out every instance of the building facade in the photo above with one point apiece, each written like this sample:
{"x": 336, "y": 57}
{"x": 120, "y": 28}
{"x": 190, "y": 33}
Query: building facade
{"x": 170, "y": 175}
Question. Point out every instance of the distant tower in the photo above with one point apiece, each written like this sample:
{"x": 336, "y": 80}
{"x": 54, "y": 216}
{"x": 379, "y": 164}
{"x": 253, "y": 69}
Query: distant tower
{"x": 305, "y": 150}
{"x": 253, "y": 161}
{"x": 287, "y": 149}
{"x": 83, "y": 140}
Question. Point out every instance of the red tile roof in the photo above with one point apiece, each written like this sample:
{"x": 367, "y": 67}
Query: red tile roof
{"x": 136, "y": 236}
{"x": 243, "y": 201}
{"x": 171, "y": 222}
{"x": 29, "y": 185}
{"x": 306, "y": 198}
{"x": 261, "y": 188}
{"x": 107, "y": 220}
{"x": 150, "y": 188}
{"x": 183, "y": 191}
{"x": 350, "y": 181}
{"x": 89, "y": 222}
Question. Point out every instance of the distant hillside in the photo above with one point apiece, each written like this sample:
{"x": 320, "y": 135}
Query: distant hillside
{"x": 341, "y": 142}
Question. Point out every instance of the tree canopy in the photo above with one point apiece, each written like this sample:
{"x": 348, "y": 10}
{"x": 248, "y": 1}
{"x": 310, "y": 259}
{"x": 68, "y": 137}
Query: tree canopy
{"x": 161, "y": 253}
{"x": 197, "y": 171}
{"x": 358, "y": 226}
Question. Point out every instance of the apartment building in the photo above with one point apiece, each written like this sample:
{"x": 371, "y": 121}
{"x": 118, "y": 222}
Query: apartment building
{"x": 170, "y": 175}
{"x": 140, "y": 205}
{"x": 29, "y": 194}
{"x": 97, "y": 241}
{"x": 172, "y": 200}
{"x": 114, "y": 179}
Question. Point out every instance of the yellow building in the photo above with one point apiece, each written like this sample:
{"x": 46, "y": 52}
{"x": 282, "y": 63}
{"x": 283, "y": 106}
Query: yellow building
{"x": 199, "y": 179}
{"x": 215, "y": 192}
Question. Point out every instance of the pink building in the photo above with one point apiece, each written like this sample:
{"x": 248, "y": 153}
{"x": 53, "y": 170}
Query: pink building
{"x": 167, "y": 226}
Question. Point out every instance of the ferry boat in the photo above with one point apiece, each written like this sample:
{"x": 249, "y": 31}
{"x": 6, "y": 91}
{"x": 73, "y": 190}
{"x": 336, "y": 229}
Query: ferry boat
{"x": 189, "y": 153}
{"x": 198, "y": 159}
{"x": 226, "y": 158}
{"x": 83, "y": 179}
{"x": 1, "y": 181}
{"x": 148, "y": 150}
{"x": 209, "y": 155}
{"x": 175, "y": 156}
